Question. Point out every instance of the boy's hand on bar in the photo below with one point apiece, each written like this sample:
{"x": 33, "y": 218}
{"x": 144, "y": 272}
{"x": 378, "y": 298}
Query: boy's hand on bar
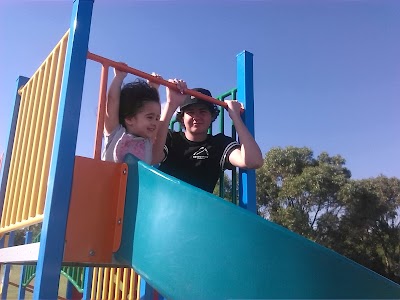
{"x": 234, "y": 108}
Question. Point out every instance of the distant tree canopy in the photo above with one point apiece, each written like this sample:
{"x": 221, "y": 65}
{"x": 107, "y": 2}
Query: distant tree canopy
{"x": 227, "y": 185}
{"x": 317, "y": 198}
{"x": 19, "y": 238}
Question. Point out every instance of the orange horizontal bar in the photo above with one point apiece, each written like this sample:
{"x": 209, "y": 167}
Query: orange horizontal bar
{"x": 108, "y": 62}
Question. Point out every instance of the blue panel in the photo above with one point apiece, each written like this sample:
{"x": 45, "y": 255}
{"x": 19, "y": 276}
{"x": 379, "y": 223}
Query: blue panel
{"x": 70, "y": 290}
{"x": 189, "y": 244}
{"x": 146, "y": 290}
{"x": 87, "y": 288}
{"x": 7, "y": 269}
{"x": 21, "y": 81}
{"x": 21, "y": 289}
{"x": 63, "y": 156}
{"x": 245, "y": 93}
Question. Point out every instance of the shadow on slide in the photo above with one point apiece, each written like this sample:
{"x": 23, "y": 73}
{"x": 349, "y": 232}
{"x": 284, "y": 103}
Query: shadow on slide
{"x": 189, "y": 244}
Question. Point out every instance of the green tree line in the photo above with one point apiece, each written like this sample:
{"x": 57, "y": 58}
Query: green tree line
{"x": 316, "y": 198}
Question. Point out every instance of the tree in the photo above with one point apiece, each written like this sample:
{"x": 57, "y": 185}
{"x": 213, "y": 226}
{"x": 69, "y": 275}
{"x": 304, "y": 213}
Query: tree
{"x": 227, "y": 193}
{"x": 316, "y": 198}
{"x": 19, "y": 238}
{"x": 298, "y": 191}
{"x": 370, "y": 224}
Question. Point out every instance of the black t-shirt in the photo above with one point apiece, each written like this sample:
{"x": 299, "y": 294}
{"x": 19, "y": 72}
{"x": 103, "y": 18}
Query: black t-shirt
{"x": 197, "y": 163}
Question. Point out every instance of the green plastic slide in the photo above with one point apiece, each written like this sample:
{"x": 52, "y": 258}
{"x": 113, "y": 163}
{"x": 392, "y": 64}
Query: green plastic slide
{"x": 189, "y": 244}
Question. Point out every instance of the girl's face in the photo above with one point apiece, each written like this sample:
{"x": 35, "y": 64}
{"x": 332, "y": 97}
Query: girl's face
{"x": 146, "y": 121}
{"x": 197, "y": 119}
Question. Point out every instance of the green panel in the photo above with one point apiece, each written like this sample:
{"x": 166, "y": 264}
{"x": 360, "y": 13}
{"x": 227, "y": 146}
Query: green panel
{"x": 190, "y": 244}
{"x": 75, "y": 276}
{"x": 30, "y": 270}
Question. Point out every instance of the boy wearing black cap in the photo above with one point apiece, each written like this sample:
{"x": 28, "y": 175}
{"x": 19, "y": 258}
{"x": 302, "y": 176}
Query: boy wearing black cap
{"x": 195, "y": 156}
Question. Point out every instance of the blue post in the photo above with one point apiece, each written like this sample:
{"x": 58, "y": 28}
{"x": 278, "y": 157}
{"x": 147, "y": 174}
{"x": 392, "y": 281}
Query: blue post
{"x": 146, "y": 290}
{"x": 247, "y": 186}
{"x": 21, "y": 289}
{"x": 21, "y": 81}
{"x": 69, "y": 291}
{"x": 7, "y": 267}
{"x": 62, "y": 161}
{"x": 72, "y": 292}
{"x": 87, "y": 288}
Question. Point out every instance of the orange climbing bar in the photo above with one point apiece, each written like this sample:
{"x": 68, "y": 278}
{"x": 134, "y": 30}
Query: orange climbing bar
{"x": 108, "y": 62}
{"x": 101, "y": 111}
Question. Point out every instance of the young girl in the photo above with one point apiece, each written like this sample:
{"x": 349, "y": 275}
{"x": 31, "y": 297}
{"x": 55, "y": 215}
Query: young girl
{"x": 131, "y": 119}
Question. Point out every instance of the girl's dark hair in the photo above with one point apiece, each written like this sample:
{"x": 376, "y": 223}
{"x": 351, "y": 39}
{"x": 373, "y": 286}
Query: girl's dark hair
{"x": 133, "y": 97}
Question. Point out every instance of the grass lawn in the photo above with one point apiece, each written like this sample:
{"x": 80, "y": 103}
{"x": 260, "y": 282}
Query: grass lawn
{"x": 14, "y": 277}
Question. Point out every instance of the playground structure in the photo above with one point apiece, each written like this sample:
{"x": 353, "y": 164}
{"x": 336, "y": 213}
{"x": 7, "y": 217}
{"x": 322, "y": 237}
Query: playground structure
{"x": 194, "y": 246}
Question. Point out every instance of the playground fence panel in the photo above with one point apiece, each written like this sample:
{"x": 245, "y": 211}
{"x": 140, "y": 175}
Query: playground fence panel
{"x": 30, "y": 160}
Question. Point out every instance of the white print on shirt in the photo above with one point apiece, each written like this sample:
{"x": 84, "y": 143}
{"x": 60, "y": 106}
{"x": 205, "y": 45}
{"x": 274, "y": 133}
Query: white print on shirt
{"x": 202, "y": 153}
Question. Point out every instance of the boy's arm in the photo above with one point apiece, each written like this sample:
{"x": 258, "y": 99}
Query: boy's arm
{"x": 111, "y": 117}
{"x": 249, "y": 155}
{"x": 174, "y": 100}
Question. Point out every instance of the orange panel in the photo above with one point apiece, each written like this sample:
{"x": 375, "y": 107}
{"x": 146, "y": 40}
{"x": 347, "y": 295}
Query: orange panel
{"x": 96, "y": 211}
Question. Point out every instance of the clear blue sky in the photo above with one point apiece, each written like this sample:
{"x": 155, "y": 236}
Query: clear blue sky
{"x": 326, "y": 73}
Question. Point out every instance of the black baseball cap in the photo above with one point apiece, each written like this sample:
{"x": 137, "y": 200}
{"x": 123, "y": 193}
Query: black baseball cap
{"x": 194, "y": 100}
